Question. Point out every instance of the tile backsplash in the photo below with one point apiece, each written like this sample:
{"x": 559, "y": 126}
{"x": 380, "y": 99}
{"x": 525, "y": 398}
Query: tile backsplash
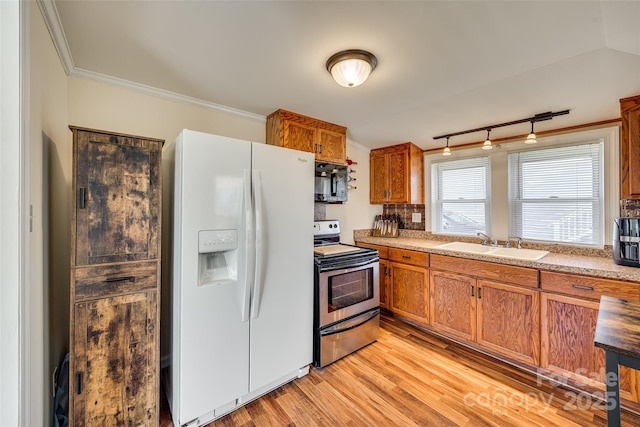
{"x": 406, "y": 215}
{"x": 319, "y": 211}
{"x": 630, "y": 208}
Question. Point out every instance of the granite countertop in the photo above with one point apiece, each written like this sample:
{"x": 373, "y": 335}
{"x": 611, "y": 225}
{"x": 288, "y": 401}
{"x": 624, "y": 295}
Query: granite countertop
{"x": 592, "y": 264}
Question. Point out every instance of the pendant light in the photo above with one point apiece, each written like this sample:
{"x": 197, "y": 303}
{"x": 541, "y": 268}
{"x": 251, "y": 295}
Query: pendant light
{"x": 447, "y": 150}
{"x": 531, "y": 138}
{"x": 487, "y": 142}
{"x": 351, "y": 68}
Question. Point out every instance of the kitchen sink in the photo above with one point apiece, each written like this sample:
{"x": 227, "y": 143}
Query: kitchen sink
{"x": 476, "y": 248}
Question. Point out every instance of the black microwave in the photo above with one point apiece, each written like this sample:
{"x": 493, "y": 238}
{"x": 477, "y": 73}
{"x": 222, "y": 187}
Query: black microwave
{"x": 331, "y": 183}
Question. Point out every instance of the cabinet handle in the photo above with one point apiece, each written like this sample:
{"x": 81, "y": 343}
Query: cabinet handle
{"x": 471, "y": 290}
{"x": 406, "y": 256}
{"x": 320, "y": 145}
{"x": 82, "y": 198}
{"x": 79, "y": 383}
{"x": 120, "y": 279}
{"x": 479, "y": 294}
{"x": 584, "y": 288}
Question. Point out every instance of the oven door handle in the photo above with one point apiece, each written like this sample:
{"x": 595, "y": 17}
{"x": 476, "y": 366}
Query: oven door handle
{"x": 347, "y": 325}
{"x": 350, "y": 266}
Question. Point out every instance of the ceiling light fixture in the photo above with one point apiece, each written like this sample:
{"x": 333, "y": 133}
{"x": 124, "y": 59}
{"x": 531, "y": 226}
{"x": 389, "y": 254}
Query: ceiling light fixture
{"x": 487, "y": 142}
{"x": 531, "y": 138}
{"x": 447, "y": 150}
{"x": 487, "y": 145}
{"x": 350, "y": 68}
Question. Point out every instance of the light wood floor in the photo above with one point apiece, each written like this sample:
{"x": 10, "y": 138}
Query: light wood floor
{"x": 411, "y": 378}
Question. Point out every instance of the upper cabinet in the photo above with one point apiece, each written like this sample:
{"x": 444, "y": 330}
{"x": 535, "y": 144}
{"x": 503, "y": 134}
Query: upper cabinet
{"x": 290, "y": 130}
{"x": 117, "y": 206}
{"x": 630, "y": 148}
{"x": 396, "y": 174}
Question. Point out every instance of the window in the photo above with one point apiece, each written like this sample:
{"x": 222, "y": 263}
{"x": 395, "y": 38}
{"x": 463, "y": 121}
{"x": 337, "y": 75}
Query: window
{"x": 460, "y": 196}
{"x": 556, "y": 194}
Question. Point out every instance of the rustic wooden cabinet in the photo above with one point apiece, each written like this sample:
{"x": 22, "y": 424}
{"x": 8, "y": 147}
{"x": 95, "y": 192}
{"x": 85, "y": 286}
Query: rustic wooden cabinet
{"x": 503, "y": 317}
{"x": 291, "y": 130}
{"x": 569, "y": 312}
{"x": 630, "y": 148}
{"x": 409, "y": 284}
{"x": 396, "y": 175}
{"x": 115, "y": 279}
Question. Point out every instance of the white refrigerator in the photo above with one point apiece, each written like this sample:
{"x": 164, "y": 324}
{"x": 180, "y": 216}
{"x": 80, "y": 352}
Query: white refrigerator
{"x": 242, "y": 279}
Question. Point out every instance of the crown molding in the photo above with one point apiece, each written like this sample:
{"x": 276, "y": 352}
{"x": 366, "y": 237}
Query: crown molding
{"x": 52, "y": 21}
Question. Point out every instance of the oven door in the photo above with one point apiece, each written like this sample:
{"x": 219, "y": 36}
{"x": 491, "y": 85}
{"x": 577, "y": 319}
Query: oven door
{"x": 347, "y": 292}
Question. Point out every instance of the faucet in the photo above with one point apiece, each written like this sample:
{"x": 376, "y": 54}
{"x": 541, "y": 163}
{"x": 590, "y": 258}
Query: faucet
{"x": 488, "y": 241}
{"x": 519, "y": 239}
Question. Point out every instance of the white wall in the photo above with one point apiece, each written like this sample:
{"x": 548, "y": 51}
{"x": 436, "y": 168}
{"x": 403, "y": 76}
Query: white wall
{"x": 357, "y": 213}
{"x": 10, "y": 160}
{"x": 49, "y": 249}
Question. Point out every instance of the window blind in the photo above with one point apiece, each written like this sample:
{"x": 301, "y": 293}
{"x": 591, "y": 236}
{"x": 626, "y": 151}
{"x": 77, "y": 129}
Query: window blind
{"x": 556, "y": 194}
{"x": 460, "y": 196}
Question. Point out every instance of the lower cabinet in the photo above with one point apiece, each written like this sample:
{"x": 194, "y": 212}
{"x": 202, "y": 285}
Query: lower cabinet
{"x": 498, "y": 316}
{"x": 568, "y": 330}
{"x": 409, "y": 284}
{"x": 115, "y": 377}
{"x": 409, "y": 291}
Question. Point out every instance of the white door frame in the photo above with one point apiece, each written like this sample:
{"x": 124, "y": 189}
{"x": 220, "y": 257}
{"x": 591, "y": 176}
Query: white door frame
{"x": 14, "y": 231}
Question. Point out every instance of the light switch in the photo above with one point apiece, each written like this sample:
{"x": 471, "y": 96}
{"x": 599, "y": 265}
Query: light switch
{"x": 416, "y": 217}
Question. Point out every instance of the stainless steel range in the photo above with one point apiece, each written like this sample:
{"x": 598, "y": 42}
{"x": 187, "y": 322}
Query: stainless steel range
{"x": 347, "y": 295}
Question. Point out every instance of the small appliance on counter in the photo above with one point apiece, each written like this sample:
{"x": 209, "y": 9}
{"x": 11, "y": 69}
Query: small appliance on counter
{"x": 626, "y": 238}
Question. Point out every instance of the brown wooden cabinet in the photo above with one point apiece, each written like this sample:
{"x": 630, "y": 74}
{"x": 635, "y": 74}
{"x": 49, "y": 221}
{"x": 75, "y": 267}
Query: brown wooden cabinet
{"x": 569, "y": 312}
{"x": 502, "y": 317}
{"x": 409, "y": 284}
{"x": 396, "y": 174}
{"x": 630, "y": 148}
{"x": 291, "y": 130}
{"x": 115, "y": 279}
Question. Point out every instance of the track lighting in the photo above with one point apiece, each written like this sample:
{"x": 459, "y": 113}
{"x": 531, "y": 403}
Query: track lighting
{"x": 447, "y": 150}
{"x": 487, "y": 142}
{"x": 487, "y": 145}
{"x": 531, "y": 138}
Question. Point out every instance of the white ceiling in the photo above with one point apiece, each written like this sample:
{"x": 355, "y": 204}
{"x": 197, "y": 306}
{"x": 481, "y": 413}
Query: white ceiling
{"x": 443, "y": 66}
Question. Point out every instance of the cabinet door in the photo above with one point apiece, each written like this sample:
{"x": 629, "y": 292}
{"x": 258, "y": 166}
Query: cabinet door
{"x": 630, "y": 148}
{"x": 409, "y": 291}
{"x": 398, "y": 177}
{"x": 299, "y": 136}
{"x": 509, "y": 320}
{"x": 332, "y": 147}
{"x": 385, "y": 273}
{"x": 452, "y": 304}
{"x": 117, "y": 205}
{"x": 568, "y": 330}
{"x": 378, "y": 178}
{"x": 114, "y": 377}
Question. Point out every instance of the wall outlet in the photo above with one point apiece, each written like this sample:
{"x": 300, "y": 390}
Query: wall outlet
{"x": 416, "y": 217}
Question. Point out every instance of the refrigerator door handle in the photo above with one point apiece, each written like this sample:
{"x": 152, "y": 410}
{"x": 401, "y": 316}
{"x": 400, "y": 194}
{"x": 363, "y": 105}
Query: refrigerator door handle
{"x": 249, "y": 248}
{"x": 259, "y": 244}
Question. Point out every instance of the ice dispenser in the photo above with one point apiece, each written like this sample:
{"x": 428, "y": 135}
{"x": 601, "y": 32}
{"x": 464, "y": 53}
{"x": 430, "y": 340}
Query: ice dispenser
{"x": 626, "y": 241}
{"x": 218, "y": 257}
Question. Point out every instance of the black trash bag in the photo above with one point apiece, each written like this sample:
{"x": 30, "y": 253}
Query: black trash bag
{"x": 61, "y": 397}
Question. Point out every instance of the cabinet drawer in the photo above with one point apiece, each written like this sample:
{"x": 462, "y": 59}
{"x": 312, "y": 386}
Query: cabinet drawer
{"x": 409, "y": 257}
{"x": 588, "y": 287}
{"x": 102, "y": 281}
{"x": 383, "y": 251}
{"x": 522, "y": 276}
